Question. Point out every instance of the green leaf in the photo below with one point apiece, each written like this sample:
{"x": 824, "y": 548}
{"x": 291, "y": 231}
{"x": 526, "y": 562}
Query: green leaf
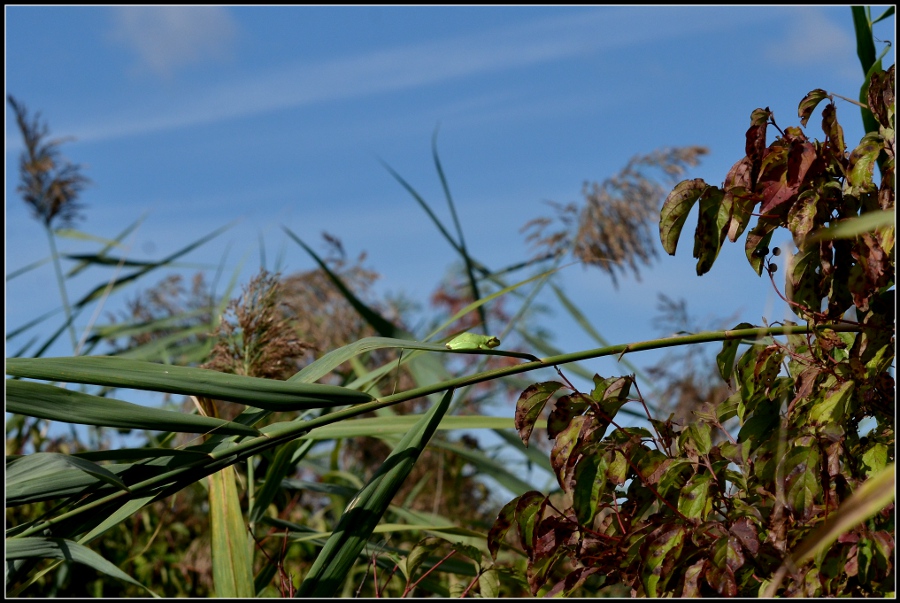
{"x": 809, "y": 104}
{"x": 801, "y": 471}
{"x": 590, "y": 482}
{"x": 862, "y": 163}
{"x": 232, "y": 563}
{"x": 867, "y": 501}
{"x": 189, "y": 381}
{"x": 57, "y": 404}
{"x": 725, "y": 358}
{"x": 530, "y": 404}
{"x": 875, "y": 459}
{"x": 42, "y": 468}
{"x": 833, "y": 407}
{"x": 675, "y": 211}
{"x": 58, "y": 548}
{"x": 663, "y": 547}
{"x": 352, "y": 532}
{"x": 710, "y": 233}
{"x": 694, "y": 501}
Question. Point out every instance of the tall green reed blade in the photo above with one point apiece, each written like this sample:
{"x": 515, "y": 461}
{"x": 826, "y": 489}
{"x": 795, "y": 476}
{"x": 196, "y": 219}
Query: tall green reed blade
{"x": 165, "y": 262}
{"x": 232, "y": 563}
{"x": 365, "y": 511}
{"x": 43, "y": 548}
{"x": 117, "y": 241}
{"x": 113, "y": 371}
{"x": 58, "y": 404}
{"x": 467, "y": 259}
{"x": 382, "y": 325}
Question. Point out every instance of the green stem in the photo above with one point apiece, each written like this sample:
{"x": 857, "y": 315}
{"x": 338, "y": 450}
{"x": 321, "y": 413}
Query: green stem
{"x": 225, "y": 453}
{"x": 62, "y": 287}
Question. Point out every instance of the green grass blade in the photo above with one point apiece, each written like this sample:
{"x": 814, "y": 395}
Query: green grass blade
{"x": 232, "y": 564}
{"x": 57, "y": 404}
{"x": 365, "y": 511}
{"x": 117, "y": 242}
{"x": 165, "y": 262}
{"x": 58, "y": 548}
{"x": 469, "y": 264}
{"x": 281, "y": 466}
{"x": 26, "y": 471}
{"x": 112, "y": 371}
{"x": 376, "y": 320}
{"x": 27, "y": 268}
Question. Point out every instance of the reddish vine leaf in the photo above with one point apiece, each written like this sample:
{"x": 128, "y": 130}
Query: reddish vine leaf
{"x": 565, "y": 408}
{"x": 881, "y": 96}
{"x": 722, "y": 579}
{"x": 756, "y": 140}
{"x": 711, "y": 223}
{"x": 747, "y": 534}
{"x": 801, "y": 162}
{"x": 530, "y": 404}
{"x": 801, "y": 218}
{"x": 661, "y": 549}
{"x": 692, "y": 576}
{"x": 833, "y": 131}
{"x": 675, "y": 211}
{"x": 563, "y": 453}
{"x": 809, "y": 104}
{"x": 508, "y": 516}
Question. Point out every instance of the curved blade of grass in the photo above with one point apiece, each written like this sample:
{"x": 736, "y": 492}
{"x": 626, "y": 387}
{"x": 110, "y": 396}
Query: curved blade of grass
{"x": 484, "y": 300}
{"x": 33, "y": 468}
{"x": 850, "y": 228}
{"x": 136, "y": 374}
{"x": 57, "y": 404}
{"x": 15, "y": 332}
{"x": 167, "y": 261}
{"x": 396, "y": 424}
{"x": 376, "y": 320}
{"x": 27, "y": 268}
{"x": 232, "y": 565}
{"x": 365, "y": 511}
{"x": 117, "y": 242}
{"x": 58, "y": 548}
{"x": 467, "y": 259}
{"x": 283, "y": 464}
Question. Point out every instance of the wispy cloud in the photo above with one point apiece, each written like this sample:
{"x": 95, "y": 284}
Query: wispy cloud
{"x": 166, "y": 38}
{"x": 521, "y": 45}
{"x": 810, "y": 38}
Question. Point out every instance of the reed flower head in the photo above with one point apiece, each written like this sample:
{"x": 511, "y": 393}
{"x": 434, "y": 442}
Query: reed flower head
{"x": 50, "y": 184}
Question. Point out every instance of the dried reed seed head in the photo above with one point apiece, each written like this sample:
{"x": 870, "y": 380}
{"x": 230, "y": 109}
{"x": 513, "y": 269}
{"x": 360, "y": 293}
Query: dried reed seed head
{"x": 611, "y": 230}
{"x": 256, "y": 337}
{"x": 49, "y": 183}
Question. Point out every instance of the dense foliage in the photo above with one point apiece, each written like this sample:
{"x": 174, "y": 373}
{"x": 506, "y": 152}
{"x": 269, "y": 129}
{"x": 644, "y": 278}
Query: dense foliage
{"x": 714, "y": 505}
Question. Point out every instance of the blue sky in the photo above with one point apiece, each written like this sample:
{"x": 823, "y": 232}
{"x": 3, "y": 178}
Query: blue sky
{"x": 279, "y": 115}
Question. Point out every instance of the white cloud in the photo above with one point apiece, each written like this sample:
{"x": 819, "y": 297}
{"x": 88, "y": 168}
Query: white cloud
{"x": 166, "y": 38}
{"x": 408, "y": 67}
{"x": 810, "y": 38}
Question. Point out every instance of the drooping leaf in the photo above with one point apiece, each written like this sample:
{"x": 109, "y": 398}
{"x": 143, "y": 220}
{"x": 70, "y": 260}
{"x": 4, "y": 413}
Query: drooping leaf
{"x": 675, "y": 211}
{"x": 809, "y": 104}
{"x": 59, "y": 548}
{"x": 530, "y": 404}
